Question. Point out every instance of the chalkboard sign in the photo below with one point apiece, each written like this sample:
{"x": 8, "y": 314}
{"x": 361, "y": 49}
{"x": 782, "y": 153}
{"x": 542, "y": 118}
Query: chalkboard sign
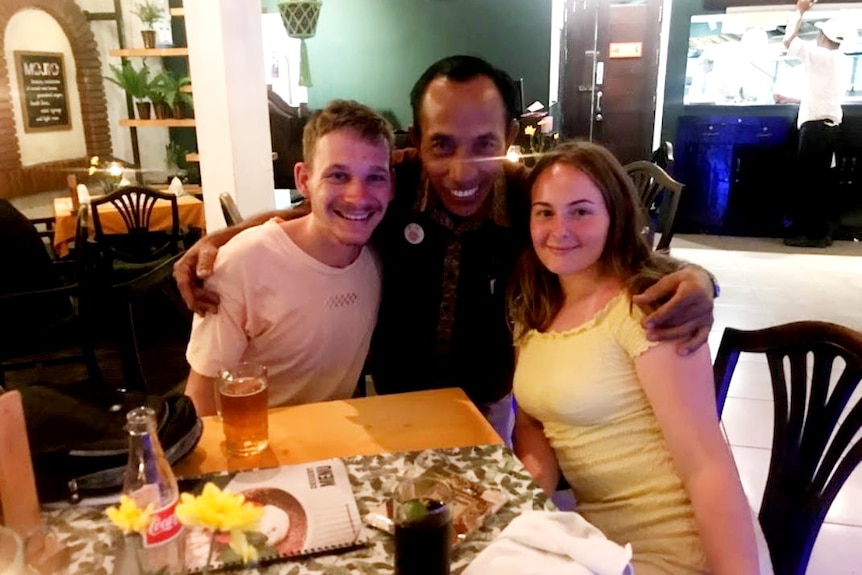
{"x": 42, "y": 85}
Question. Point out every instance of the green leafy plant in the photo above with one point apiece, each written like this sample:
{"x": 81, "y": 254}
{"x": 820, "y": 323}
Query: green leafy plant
{"x": 169, "y": 86}
{"x": 149, "y": 12}
{"x": 135, "y": 82}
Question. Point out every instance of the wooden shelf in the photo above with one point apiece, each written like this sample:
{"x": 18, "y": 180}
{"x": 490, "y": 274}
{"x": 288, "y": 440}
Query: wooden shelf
{"x": 167, "y": 123}
{"x": 179, "y": 12}
{"x": 145, "y": 52}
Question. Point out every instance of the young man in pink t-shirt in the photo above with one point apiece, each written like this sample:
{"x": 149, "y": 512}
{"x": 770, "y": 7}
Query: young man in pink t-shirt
{"x": 301, "y": 296}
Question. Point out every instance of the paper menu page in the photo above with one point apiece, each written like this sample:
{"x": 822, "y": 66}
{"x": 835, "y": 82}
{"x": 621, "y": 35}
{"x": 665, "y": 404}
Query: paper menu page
{"x": 308, "y": 508}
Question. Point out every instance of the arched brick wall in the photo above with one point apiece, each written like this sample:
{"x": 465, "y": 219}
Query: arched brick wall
{"x": 16, "y": 180}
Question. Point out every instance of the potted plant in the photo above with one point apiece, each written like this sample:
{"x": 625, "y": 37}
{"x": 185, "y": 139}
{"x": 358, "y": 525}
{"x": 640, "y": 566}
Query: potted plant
{"x": 136, "y": 83}
{"x": 171, "y": 86}
{"x": 156, "y": 94}
{"x": 149, "y": 12}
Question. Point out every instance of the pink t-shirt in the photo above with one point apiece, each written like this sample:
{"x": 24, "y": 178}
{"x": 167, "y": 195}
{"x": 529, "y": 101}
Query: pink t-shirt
{"x": 309, "y": 323}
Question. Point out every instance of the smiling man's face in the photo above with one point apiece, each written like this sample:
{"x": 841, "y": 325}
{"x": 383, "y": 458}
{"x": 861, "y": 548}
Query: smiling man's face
{"x": 464, "y": 136}
{"x": 349, "y": 186}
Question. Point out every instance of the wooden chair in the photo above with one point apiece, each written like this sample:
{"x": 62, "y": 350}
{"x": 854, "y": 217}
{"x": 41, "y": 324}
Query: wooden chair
{"x": 139, "y": 244}
{"x": 659, "y": 195}
{"x": 229, "y": 209}
{"x": 815, "y": 446}
{"x": 134, "y": 264}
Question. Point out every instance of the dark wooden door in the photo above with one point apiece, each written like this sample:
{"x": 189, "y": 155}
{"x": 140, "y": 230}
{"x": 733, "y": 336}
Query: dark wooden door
{"x": 609, "y": 74}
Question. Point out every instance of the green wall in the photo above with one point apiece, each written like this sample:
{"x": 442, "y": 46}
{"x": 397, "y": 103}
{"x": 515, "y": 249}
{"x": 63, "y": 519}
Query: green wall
{"x": 374, "y": 50}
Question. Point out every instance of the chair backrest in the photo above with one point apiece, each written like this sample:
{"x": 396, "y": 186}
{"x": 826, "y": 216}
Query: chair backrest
{"x": 140, "y": 243}
{"x": 229, "y": 209}
{"x": 817, "y": 418}
{"x": 659, "y": 195}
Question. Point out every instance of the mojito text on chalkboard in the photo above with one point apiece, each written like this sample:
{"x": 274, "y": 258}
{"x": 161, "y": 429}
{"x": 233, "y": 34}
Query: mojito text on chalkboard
{"x": 42, "y": 84}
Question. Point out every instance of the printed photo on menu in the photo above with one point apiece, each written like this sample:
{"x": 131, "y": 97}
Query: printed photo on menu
{"x": 309, "y": 508}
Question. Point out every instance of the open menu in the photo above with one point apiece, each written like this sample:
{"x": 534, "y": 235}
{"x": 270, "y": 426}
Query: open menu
{"x": 309, "y": 508}
{"x": 472, "y": 504}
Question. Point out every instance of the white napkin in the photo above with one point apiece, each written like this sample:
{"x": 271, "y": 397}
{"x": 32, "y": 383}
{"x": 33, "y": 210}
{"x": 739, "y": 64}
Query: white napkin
{"x": 176, "y": 187}
{"x": 83, "y": 194}
{"x": 552, "y": 543}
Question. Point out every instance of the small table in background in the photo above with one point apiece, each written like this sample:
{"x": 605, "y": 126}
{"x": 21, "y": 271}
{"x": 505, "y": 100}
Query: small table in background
{"x": 191, "y": 215}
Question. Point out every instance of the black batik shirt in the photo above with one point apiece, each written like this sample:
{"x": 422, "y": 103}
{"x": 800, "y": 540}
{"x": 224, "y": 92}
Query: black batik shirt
{"x": 442, "y": 320}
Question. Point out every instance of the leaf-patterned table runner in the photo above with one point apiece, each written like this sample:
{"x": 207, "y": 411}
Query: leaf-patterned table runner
{"x": 91, "y": 539}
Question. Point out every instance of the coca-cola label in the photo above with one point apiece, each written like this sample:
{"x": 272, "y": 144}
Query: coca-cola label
{"x": 164, "y": 526}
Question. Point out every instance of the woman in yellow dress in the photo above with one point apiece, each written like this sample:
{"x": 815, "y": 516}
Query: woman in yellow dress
{"x": 629, "y": 423}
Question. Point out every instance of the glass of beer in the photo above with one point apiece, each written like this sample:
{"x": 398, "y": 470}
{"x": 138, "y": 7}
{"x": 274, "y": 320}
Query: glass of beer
{"x": 421, "y": 510}
{"x": 242, "y": 400}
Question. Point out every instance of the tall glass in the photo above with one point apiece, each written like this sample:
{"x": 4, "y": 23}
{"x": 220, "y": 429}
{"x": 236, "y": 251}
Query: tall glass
{"x": 242, "y": 403}
{"x": 423, "y": 526}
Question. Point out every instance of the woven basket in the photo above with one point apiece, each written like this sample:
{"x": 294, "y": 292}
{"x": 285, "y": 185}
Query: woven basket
{"x": 300, "y": 17}
{"x": 300, "y": 21}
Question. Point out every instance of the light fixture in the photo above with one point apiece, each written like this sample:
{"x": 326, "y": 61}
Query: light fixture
{"x": 513, "y": 154}
{"x": 115, "y": 170}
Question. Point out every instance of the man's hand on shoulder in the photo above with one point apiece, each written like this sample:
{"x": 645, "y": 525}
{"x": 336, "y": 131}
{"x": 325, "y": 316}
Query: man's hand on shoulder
{"x": 683, "y": 304}
{"x": 197, "y": 263}
{"x": 191, "y": 270}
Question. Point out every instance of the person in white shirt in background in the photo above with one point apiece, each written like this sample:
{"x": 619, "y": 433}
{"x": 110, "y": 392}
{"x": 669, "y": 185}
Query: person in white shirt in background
{"x": 826, "y": 71}
{"x": 301, "y": 296}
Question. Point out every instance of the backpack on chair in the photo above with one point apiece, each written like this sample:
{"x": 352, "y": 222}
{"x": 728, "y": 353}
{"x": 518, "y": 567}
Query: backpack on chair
{"x": 78, "y": 440}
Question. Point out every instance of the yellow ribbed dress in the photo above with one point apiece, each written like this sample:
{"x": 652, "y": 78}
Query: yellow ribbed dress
{"x": 582, "y": 385}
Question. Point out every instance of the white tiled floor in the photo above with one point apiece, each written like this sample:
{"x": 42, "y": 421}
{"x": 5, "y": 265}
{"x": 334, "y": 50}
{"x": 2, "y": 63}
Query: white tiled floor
{"x": 764, "y": 283}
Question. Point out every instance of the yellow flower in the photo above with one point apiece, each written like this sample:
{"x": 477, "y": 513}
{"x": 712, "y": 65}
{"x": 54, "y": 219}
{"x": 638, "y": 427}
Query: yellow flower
{"x": 218, "y": 510}
{"x": 129, "y": 517}
{"x": 529, "y": 130}
{"x": 240, "y": 545}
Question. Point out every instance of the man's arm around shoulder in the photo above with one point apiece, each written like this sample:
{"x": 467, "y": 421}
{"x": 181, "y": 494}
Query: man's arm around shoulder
{"x": 197, "y": 263}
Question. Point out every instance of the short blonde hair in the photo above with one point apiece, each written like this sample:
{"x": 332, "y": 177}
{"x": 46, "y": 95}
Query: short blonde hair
{"x": 340, "y": 114}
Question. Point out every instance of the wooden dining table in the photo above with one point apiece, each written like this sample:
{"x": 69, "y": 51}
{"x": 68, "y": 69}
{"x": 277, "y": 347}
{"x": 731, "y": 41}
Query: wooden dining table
{"x": 381, "y": 439}
{"x": 191, "y": 212}
{"x": 435, "y": 419}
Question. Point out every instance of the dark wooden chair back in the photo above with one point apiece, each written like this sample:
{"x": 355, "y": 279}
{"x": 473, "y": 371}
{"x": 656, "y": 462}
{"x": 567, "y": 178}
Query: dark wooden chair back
{"x": 229, "y": 209}
{"x": 659, "y": 195}
{"x": 139, "y": 244}
{"x": 815, "y": 446}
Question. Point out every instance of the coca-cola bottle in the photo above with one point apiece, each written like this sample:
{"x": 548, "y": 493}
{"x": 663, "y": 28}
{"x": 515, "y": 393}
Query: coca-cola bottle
{"x": 149, "y": 479}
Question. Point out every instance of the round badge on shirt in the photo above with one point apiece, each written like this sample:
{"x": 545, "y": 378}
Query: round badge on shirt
{"x": 414, "y": 233}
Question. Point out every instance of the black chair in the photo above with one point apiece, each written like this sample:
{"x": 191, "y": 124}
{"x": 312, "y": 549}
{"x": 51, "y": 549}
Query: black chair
{"x": 139, "y": 244}
{"x": 134, "y": 264}
{"x": 45, "y": 305}
{"x": 659, "y": 195}
{"x": 229, "y": 209}
{"x": 814, "y": 443}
